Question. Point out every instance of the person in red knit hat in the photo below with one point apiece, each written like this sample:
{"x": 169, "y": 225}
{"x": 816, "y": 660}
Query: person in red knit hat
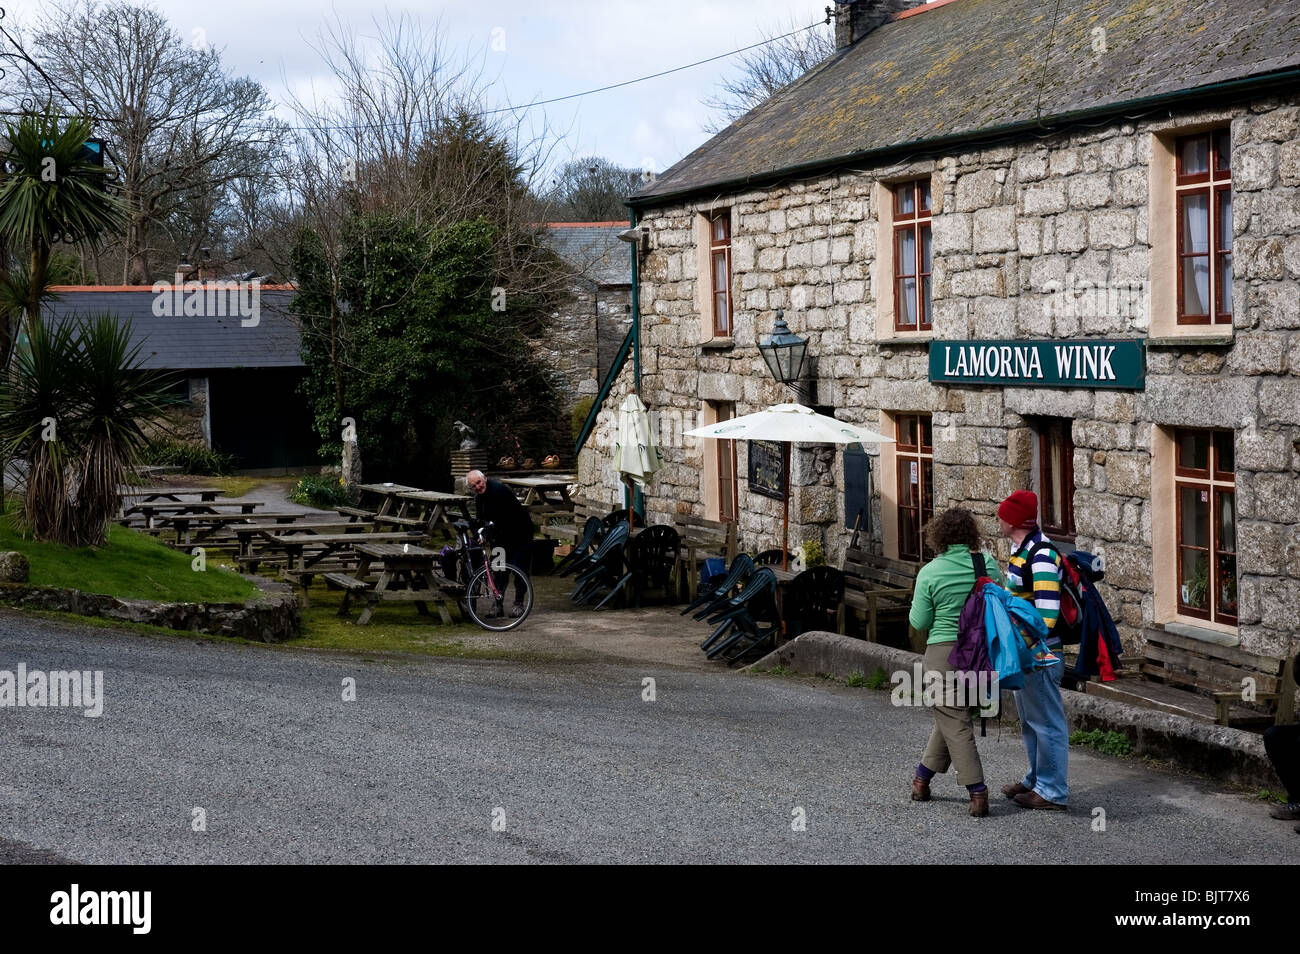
{"x": 1034, "y": 574}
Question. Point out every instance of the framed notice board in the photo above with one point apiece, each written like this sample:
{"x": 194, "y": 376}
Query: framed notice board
{"x": 767, "y": 474}
{"x": 857, "y": 488}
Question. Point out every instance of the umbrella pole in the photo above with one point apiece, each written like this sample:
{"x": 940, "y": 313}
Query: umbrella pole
{"x": 785, "y": 514}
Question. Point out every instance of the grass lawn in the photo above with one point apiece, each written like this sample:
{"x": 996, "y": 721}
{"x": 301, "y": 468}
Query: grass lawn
{"x": 229, "y": 486}
{"x": 132, "y": 566}
{"x": 394, "y": 627}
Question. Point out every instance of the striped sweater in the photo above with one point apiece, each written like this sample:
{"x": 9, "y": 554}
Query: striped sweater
{"x": 1043, "y": 589}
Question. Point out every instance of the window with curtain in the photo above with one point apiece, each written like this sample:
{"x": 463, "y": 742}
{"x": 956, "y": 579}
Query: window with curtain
{"x": 720, "y": 268}
{"x": 1205, "y": 228}
{"x": 912, "y": 256}
{"x": 1207, "y": 524}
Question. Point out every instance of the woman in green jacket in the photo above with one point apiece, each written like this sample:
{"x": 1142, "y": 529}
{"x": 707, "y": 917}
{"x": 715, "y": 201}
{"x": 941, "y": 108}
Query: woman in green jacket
{"x": 942, "y": 588}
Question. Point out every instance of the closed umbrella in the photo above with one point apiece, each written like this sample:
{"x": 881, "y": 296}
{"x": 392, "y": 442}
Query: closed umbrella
{"x": 636, "y": 456}
{"x": 789, "y": 423}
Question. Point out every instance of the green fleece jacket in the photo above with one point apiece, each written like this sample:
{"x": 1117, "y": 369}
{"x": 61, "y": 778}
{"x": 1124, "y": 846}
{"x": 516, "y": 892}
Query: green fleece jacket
{"x": 942, "y": 587}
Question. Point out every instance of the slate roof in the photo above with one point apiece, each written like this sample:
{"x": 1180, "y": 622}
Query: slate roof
{"x": 960, "y": 68}
{"x": 193, "y": 343}
{"x": 593, "y": 249}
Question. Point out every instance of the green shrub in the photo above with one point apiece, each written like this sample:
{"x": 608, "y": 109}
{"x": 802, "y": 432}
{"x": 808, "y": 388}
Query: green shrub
{"x": 878, "y": 679}
{"x": 323, "y": 493}
{"x": 813, "y": 554}
{"x": 190, "y": 458}
{"x": 856, "y": 680}
{"x": 578, "y": 417}
{"x": 1109, "y": 743}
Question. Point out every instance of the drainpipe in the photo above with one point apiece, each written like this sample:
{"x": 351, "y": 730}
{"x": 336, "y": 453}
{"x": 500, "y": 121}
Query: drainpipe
{"x": 637, "y": 502}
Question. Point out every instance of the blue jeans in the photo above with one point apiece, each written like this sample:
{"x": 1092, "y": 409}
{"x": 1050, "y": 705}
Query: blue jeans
{"x": 1045, "y": 734}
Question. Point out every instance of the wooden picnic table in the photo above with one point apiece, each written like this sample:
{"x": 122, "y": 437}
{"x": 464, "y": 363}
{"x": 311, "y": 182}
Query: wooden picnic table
{"x": 296, "y": 544}
{"x": 249, "y": 533}
{"x": 435, "y": 505}
{"x": 389, "y": 494}
{"x": 543, "y": 490}
{"x": 208, "y": 525}
{"x": 407, "y": 573}
{"x": 172, "y": 494}
{"x": 151, "y": 510}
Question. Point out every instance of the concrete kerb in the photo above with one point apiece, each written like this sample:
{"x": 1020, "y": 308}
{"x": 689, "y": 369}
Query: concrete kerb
{"x": 1223, "y": 753}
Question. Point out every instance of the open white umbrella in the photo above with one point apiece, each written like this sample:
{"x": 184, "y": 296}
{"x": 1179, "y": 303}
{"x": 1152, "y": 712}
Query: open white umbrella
{"x": 789, "y": 423}
{"x": 636, "y": 456}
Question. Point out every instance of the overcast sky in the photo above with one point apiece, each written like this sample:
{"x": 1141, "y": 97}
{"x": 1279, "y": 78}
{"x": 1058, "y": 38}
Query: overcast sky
{"x": 551, "y": 48}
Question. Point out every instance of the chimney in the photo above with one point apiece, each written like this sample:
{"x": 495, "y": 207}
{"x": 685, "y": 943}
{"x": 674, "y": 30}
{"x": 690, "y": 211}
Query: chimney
{"x": 854, "y": 19}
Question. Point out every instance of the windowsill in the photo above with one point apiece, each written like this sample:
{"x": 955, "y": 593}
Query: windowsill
{"x": 1219, "y": 635}
{"x": 907, "y": 337}
{"x": 1202, "y": 340}
{"x": 719, "y": 344}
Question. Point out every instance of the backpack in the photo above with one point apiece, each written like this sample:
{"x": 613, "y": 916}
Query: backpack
{"x": 970, "y": 653}
{"x": 1069, "y": 626}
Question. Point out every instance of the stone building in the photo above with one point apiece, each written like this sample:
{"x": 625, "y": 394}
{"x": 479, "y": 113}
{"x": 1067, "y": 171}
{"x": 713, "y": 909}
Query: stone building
{"x": 1058, "y": 253}
{"x": 585, "y": 334}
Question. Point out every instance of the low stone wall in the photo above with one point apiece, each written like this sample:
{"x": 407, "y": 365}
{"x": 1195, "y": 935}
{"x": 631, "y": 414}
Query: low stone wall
{"x": 270, "y": 618}
{"x": 1230, "y": 755}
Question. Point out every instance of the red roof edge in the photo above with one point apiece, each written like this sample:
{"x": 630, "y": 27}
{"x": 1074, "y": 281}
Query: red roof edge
{"x": 921, "y": 9}
{"x": 587, "y": 225}
{"x": 148, "y": 288}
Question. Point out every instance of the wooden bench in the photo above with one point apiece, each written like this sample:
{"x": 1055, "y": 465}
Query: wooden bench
{"x": 1206, "y": 681}
{"x": 583, "y": 509}
{"x": 879, "y": 588}
{"x": 701, "y": 539}
{"x": 342, "y": 581}
{"x": 356, "y": 513}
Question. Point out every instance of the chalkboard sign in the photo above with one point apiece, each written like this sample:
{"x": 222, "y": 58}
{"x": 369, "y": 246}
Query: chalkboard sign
{"x": 857, "y": 488}
{"x": 767, "y": 468}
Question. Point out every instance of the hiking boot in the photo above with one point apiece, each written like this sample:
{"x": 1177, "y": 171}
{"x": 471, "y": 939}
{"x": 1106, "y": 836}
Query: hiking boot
{"x": 1288, "y": 812}
{"x": 1034, "y": 800}
{"x": 1011, "y": 791}
{"x": 517, "y": 611}
{"x": 979, "y": 804}
{"x": 920, "y": 789}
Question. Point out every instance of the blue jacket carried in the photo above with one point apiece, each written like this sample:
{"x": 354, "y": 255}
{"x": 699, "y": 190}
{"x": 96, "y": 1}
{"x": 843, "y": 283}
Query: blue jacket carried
{"x": 1006, "y": 618}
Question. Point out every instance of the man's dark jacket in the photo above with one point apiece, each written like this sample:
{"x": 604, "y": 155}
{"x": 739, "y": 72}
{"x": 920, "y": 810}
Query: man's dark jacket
{"x": 512, "y": 525}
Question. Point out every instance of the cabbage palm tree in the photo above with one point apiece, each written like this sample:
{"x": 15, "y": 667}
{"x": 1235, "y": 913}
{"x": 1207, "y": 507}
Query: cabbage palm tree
{"x": 49, "y": 192}
{"x": 114, "y": 397}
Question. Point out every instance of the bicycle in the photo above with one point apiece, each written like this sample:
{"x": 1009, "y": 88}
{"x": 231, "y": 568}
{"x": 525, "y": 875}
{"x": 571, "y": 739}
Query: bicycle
{"x": 488, "y": 579}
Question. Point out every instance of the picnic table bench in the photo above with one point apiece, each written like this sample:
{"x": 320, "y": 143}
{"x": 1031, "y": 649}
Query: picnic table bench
{"x": 407, "y": 574}
{"x": 248, "y": 534}
{"x": 1206, "y": 681}
{"x": 173, "y": 494}
{"x": 552, "y": 490}
{"x": 314, "y": 554}
{"x": 149, "y": 510}
{"x": 209, "y": 527}
{"x": 433, "y": 506}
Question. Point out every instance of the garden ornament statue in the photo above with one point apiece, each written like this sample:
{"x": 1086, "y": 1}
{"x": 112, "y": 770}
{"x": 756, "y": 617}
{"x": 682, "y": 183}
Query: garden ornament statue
{"x": 468, "y": 439}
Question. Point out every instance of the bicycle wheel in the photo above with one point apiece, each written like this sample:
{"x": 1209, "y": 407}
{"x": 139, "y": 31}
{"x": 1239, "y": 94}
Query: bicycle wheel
{"x": 492, "y": 595}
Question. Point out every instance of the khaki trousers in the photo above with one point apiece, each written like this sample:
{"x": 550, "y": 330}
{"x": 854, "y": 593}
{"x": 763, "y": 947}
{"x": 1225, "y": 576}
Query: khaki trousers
{"x": 953, "y": 739}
